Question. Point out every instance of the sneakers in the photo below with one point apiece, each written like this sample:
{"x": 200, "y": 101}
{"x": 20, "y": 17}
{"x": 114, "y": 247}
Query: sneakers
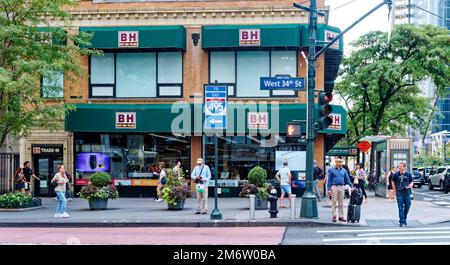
{"x": 65, "y": 215}
{"x": 342, "y": 219}
{"x": 334, "y": 219}
{"x": 57, "y": 215}
{"x": 205, "y": 212}
{"x": 197, "y": 212}
{"x": 159, "y": 200}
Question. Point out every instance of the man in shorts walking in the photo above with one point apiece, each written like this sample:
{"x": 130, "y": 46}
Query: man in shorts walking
{"x": 284, "y": 177}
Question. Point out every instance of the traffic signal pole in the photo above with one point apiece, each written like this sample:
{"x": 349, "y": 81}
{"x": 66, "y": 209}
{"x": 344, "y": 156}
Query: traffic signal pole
{"x": 309, "y": 202}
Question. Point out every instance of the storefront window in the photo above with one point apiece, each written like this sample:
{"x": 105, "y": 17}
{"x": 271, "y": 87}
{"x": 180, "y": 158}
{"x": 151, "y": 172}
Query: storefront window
{"x": 129, "y": 156}
{"x": 136, "y": 75}
{"x": 239, "y": 154}
{"x": 242, "y": 70}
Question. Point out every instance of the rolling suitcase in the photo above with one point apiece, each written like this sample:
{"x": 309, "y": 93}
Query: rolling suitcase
{"x": 353, "y": 213}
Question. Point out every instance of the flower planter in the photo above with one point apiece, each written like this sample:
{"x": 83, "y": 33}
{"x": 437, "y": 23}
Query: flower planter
{"x": 260, "y": 204}
{"x": 98, "y": 204}
{"x": 178, "y": 206}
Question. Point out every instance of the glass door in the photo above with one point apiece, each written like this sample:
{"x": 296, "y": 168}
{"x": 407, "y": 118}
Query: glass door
{"x": 45, "y": 168}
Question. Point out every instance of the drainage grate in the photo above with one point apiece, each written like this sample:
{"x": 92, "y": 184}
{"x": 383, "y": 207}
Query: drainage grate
{"x": 390, "y": 222}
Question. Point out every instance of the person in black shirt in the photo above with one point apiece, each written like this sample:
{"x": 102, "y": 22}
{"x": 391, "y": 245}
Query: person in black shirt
{"x": 318, "y": 175}
{"x": 28, "y": 173}
{"x": 402, "y": 183}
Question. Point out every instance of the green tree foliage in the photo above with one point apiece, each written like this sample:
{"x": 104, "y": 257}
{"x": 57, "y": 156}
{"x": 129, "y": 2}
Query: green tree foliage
{"x": 379, "y": 80}
{"x": 30, "y": 49}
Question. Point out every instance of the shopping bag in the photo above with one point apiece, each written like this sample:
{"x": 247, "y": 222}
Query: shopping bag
{"x": 200, "y": 187}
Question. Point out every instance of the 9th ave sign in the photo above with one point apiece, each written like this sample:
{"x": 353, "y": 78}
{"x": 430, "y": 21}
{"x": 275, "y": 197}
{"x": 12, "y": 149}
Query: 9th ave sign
{"x": 282, "y": 82}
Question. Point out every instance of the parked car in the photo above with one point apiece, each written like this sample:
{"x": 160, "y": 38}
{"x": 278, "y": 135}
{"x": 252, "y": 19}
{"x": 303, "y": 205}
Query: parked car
{"x": 417, "y": 178}
{"x": 438, "y": 179}
{"x": 425, "y": 171}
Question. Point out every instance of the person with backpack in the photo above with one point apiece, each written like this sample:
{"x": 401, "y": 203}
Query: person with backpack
{"x": 402, "y": 183}
{"x": 201, "y": 175}
{"x": 318, "y": 175}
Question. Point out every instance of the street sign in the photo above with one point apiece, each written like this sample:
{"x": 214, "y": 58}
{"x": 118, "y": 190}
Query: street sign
{"x": 282, "y": 82}
{"x": 364, "y": 146}
{"x": 215, "y": 107}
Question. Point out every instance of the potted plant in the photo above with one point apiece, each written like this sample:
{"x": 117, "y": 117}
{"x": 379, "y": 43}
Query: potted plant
{"x": 258, "y": 186}
{"x": 174, "y": 192}
{"x": 98, "y": 191}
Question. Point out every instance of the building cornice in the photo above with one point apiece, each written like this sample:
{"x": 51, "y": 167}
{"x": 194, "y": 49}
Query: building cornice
{"x": 187, "y": 16}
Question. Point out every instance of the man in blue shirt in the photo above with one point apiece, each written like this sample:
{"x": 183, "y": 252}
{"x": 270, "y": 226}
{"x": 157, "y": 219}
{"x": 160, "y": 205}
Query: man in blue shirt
{"x": 201, "y": 175}
{"x": 337, "y": 178}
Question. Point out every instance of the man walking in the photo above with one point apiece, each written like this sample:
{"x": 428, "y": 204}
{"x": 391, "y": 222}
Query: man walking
{"x": 402, "y": 183}
{"x": 318, "y": 175}
{"x": 28, "y": 173}
{"x": 337, "y": 178}
{"x": 201, "y": 175}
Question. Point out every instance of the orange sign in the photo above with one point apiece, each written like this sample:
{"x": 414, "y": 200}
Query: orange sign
{"x": 144, "y": 182}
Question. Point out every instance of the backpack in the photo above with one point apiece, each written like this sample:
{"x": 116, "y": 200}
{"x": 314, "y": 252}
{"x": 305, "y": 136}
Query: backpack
{"x": 357, "y": 197}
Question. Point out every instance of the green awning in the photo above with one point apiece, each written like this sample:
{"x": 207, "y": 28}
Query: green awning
{"x": 149, "y": 37}
{"x": 159, "y": 117}
{"x": 58, "y": 35}
{"x": 226, "y": 37}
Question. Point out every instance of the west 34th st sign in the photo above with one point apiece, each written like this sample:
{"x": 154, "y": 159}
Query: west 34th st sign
{"x": 282, "y": 82}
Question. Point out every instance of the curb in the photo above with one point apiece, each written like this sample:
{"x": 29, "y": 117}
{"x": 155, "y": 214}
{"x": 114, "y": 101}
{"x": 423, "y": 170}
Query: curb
{"x": 20, "y": 209}
{"x": 180, "y": 224}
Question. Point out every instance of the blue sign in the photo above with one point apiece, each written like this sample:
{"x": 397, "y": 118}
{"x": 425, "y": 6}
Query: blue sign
{"x": 215, "y": 107}
{"x": 282, "y": 82}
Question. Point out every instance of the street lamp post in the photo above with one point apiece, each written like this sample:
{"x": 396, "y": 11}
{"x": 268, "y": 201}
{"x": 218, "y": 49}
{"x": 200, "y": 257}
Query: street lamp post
{"x": 309, "y": 202}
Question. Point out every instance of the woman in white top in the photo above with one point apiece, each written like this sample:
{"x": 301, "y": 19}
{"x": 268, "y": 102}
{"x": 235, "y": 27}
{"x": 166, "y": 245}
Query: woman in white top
{"x": 61, "y": 179}
{"x": 162, "y": 181}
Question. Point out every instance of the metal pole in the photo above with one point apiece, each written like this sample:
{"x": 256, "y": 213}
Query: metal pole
{"x": 309, "y": 202}
{"x": 252, "y": 206}
{"x": 293, "y": 197}
{"x": 216, "y": 215}
{"x": 409, "y": 11}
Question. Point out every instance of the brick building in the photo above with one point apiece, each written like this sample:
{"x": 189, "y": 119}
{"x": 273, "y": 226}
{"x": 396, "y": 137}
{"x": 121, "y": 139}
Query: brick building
{"x": 158, "y": 53}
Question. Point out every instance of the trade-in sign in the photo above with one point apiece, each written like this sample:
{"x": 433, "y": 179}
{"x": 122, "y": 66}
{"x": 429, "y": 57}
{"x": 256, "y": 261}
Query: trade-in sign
{"x": 282, "y": 82}
{"x": 364, "y": 146}
{"x": 215, "y": 107}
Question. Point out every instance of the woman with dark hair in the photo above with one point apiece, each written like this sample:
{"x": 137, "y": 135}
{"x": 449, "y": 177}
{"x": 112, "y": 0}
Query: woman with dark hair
{"x": 360, "y": 178}
{"x": 20, "y": 180}
{"x": 162, "y": 181}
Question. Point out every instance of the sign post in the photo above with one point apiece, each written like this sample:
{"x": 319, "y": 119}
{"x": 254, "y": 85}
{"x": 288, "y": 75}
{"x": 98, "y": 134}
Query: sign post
{"x": 216, "y": 119}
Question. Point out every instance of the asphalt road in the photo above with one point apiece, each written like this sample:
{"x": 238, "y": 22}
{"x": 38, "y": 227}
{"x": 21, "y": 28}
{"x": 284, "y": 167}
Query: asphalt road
{"x": 437, "y": 197}
{"x": 426, "y": 235}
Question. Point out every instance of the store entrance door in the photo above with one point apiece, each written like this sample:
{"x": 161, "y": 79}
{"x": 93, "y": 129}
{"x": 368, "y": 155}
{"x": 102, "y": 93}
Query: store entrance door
{"x": 45, "y": 161}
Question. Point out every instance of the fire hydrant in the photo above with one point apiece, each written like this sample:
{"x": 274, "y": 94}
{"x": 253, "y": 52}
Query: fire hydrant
{"x": 273, "y": 198}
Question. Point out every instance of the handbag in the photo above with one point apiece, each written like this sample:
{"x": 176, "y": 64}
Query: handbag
{"x": 199, "y": 187}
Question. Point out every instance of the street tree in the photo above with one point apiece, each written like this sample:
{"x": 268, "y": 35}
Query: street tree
{"x": 379, "y": 80}
{"x": 31, "y": 50}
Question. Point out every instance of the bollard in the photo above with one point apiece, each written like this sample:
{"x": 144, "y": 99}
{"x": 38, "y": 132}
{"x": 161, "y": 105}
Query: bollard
{"x": 293, "y": 197}
{"x": 273, "y": 198}
{"x": 252, "y": 207}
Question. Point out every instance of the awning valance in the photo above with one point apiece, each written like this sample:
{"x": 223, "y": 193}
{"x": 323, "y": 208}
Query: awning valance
{"x": 145, "y": 37}
{"x": 230, "y": 37}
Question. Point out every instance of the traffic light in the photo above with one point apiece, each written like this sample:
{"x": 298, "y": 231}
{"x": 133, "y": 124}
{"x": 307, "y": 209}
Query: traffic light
{"x": 325, "y": 110}
{"x": 293, "y": 130}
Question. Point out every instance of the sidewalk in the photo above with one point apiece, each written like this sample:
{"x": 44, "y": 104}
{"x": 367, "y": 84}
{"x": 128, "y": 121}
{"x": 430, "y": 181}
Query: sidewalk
{"x": 235, "y": 212}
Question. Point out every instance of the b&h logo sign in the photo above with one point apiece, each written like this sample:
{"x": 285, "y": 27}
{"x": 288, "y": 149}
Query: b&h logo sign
{"x": 125, "y": 120}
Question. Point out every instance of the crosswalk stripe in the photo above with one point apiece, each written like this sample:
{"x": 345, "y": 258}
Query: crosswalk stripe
{"x": 383, "y": 230}
{"x": 405, "y": 233}
{"x": 373, "y": 239}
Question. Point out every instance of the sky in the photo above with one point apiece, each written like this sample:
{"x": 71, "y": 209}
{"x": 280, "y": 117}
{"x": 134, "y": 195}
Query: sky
{"x": 344, "y": 16}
